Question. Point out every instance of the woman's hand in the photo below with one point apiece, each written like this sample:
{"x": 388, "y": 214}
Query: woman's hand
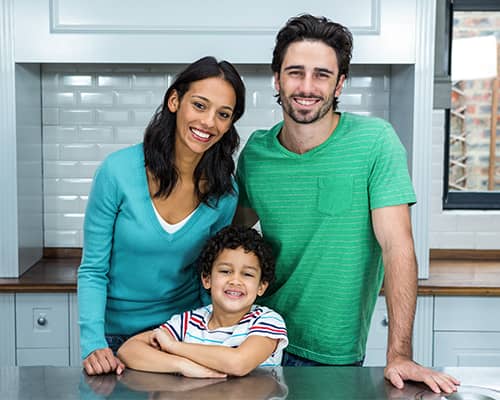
{"x": 102, "y": 361}
{"x": 162, "y": 340}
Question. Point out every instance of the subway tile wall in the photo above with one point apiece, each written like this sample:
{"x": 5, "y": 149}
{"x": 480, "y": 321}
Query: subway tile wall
{"x": 90, "y": 111}
{"x": 456, "y": 229}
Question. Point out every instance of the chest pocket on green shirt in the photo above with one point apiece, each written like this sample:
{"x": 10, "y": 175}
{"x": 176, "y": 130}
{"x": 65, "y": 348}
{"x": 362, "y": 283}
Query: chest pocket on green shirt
{"x": 335, "y": 195}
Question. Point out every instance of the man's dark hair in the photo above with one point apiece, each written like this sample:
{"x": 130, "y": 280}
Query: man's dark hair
{"x": 233, "y": 237}
{"x": 309, "y": 27}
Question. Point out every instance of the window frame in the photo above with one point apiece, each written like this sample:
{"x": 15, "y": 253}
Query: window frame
{"x": 469, "y": 200}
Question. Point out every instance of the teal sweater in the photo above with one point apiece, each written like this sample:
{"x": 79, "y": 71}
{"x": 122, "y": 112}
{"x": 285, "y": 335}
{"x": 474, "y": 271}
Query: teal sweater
{"x": 135, "y": 275}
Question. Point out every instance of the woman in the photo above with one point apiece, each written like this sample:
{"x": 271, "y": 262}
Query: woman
{"x": 151, "y": 208}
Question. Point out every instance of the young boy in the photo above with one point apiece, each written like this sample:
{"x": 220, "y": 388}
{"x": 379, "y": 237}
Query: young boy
{"x": 232, "y": 336}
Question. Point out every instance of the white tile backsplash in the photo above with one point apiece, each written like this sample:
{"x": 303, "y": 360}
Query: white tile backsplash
{"x": 52, "y": 98}
{"x": 116, "y": 81}
{"x": 130, "y": 98}
{"x": 148, "y": 81}
{"x": 76, "y": 117}
{"x": 66, "y": 187}
{"x": 93, "y": 134}
{"x": 76, "y": 80}
{"x": 55, "y": 134}
{"x": 90, "y": 111}
{"x": 96, "y": 98}
{"x": 487, "y": 240}
{"x": 110, "y": 116}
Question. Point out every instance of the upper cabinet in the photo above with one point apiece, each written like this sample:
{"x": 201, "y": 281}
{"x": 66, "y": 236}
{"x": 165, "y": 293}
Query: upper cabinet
{"x": 158, "y": 31}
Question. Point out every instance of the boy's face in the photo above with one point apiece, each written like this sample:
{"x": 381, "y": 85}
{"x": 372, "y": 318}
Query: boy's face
{"x": 235, "y": 281}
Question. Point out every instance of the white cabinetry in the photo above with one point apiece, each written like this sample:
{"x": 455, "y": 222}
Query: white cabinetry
{"x": 156, "y": 31}
{"x": 42, "y": 333}
{"x": 74, "y": 332}
{"x": 7, "y": 330}
{"x": 376, "y": 346}
{"x": 467, "y": 331}
{"x": 39, "y": 329}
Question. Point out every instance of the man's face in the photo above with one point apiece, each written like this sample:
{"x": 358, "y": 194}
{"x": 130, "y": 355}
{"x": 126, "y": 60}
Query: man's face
{"x": 308, "y": 81}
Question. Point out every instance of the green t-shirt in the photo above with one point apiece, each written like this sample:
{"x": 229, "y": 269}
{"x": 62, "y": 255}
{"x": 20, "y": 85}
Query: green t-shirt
{"x": 314, "y": 209}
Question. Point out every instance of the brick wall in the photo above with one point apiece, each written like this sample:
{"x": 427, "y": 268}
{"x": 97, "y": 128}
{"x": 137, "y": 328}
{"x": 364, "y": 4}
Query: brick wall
{"x": 478, "y": 99}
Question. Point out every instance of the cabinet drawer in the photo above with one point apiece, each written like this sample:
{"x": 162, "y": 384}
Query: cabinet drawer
{"x": 53, "y": 357}
{"x": 467, "y": 349}
{"x": 42, "y": 320}
{"x": 467, "y": 313}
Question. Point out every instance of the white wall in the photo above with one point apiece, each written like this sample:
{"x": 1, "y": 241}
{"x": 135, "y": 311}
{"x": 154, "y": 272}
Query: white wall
{"x": 460, "y": 229}
{"x": 92, "y": 110}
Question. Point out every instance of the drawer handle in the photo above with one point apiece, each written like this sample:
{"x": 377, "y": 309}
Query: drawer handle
{"x": 42, "y": 321}
{"x": 385, "y": 321}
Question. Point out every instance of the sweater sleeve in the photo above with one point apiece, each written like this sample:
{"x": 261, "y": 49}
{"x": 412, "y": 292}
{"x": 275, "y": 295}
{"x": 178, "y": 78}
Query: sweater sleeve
{"x": 100, "y": 216}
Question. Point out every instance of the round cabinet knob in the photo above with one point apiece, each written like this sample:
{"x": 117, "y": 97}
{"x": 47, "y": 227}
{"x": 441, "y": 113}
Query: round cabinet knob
{"x": 42, "y": 321}
{"x": 385, "y": 321}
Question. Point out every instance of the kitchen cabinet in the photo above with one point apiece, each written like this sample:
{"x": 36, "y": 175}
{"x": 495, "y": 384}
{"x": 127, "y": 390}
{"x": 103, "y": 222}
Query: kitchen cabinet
{"x": 74, "y": 332}
{"x": 42, "y": 334}
{"x": 376, "y": 346}
{"x": 7, "y": 330}
{"x": 39, "y": 329}
{"x": 467, "y": 331}
{"x": 42, "y": 329}
{"x": 157, "y": 31}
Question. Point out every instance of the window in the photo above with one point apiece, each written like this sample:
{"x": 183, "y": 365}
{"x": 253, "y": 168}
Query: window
{"x": 472, "y": 149}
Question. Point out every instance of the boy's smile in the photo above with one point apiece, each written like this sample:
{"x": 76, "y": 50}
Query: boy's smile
{"x": 234, "y": 283}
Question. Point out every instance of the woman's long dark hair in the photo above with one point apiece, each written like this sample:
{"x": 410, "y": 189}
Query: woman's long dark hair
{"x": 216, "y": 165}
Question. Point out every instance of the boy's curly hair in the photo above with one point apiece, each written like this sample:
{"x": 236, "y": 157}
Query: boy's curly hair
{"x": 232, "y": 237}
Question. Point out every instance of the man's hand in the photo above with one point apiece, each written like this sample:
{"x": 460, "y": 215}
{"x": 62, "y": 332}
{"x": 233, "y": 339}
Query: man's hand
{"x": 102, "y": 361}
{"x": 161, "y": 340}
{"x": 402, "y": 369}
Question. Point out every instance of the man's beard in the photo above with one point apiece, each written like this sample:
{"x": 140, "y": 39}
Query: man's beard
{"x": 303, "y": 116}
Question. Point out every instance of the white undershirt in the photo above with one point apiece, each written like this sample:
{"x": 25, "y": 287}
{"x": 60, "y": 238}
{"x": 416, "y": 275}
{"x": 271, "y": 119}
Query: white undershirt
{"x": 171, "y": 228}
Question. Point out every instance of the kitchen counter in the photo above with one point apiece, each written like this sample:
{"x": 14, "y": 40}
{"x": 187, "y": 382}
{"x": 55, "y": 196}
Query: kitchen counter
{"x": 353, "y": 383}
{"x": 48, "y": 275}
{"x": 448, "y": 276}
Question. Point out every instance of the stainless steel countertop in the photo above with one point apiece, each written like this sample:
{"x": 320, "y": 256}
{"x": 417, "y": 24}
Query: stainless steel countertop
{"x": 346, "y": 383}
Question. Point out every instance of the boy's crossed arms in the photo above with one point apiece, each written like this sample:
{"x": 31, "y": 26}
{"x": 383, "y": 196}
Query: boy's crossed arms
{"x": 232, "y": 336}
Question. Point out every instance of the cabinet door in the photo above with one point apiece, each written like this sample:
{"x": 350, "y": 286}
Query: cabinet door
{"x": 157, "y": 31}
{"x": 7, "y": 331}
{"x": 376, "y": 346}
{"x": 472, "y": 313}
{"x": 42, "y": 320}
{"x": 35, "y": 357}
{"x": 467, "y": 349}
{"x": 74, "y": 332}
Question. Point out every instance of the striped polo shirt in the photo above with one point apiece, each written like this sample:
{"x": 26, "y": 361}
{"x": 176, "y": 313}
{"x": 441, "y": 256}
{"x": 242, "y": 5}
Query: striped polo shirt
{"x": 192, "y": 327}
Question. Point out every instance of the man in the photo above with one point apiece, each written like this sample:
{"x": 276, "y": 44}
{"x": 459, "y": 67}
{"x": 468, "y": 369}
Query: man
{"x": 331, "y": 192}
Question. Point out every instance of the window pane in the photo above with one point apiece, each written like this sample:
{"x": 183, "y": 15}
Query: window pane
{"x": 474, "y": 153}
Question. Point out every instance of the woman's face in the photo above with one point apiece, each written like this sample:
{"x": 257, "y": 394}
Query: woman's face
{"x": 204, "y": 114}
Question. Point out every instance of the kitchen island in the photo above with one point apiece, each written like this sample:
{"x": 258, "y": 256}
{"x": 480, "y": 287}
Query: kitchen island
{"x": 346, "y": 383}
